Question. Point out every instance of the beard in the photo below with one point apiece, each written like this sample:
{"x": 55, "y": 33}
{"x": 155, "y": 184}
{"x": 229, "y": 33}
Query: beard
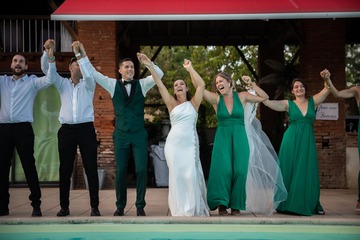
{"x": 16, "y": 71}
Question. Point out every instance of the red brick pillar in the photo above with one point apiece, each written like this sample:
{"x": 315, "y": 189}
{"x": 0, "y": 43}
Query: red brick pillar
{"x": 100, "y": 42}
{"x": 324, "y": 44}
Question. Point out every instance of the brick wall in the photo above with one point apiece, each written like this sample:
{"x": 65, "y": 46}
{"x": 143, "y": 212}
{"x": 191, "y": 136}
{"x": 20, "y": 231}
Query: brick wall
{"x": 323, "y": 47}
{"x": 99, "y": 39}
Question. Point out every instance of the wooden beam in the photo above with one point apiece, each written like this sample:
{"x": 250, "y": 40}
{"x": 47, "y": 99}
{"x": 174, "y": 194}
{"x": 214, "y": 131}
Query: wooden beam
{"x": 66, "y": 24}
{"x": 247, "y": 63}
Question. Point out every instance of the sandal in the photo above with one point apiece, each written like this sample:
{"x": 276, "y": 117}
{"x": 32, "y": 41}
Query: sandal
{"x": 235, "y": 212}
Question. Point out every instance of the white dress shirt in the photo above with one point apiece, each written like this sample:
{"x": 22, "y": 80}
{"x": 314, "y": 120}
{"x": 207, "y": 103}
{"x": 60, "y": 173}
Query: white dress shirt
{"x": 17, "y": 96}
{"x": 76, "y": 100}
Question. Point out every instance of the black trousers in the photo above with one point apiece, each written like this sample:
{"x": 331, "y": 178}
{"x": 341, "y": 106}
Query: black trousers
{"x": 70, "y": 136}
{"x": 21, "y": 137}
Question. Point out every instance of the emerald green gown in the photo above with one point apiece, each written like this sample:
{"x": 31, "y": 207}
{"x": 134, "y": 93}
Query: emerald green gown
{"x": 299, "y": 164}
{"x": 359, "y": 155}
{"x": 230, "y": 158}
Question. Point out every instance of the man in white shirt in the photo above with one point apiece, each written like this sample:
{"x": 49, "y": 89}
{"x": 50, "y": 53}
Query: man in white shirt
{"x": 17, "y": 95}
{"x": 77, "y": 127}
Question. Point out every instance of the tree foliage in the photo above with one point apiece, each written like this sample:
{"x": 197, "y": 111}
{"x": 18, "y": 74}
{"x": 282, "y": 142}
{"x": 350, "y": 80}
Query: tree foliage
{"x": 352, "y": 64}
{"x": 352, "y": 75}
{"x": 208, "y": 61}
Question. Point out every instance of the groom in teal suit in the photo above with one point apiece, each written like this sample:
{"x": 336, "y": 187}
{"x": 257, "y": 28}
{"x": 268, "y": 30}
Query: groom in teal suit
{"x": 128, "y": 96}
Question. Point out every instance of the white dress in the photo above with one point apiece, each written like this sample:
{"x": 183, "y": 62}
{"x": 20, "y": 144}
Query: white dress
{"x": 187, "y": 189}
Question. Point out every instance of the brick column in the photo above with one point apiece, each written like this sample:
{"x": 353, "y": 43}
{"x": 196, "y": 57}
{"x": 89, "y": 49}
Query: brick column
{"x": 324, "y": 44}
{"x": 100, "y": 41}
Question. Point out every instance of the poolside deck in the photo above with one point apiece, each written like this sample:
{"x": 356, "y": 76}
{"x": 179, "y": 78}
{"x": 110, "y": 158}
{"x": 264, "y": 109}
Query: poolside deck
{"x": 339, "y": 205}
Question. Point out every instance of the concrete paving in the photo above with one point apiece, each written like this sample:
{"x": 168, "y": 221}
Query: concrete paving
{"x": 339, "y": 205}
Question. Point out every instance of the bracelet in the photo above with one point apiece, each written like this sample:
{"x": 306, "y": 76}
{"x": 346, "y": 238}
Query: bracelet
{"x": 78, "y": 55}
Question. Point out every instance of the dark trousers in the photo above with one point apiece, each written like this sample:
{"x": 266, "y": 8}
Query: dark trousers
{"x": 21, "y": 137}
{"x": 123, "y": 142}
{"x": 70, "y": 136}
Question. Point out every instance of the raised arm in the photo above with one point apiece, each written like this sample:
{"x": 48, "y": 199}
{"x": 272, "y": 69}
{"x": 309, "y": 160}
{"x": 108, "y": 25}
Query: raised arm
{"x": 260, "y": 96}
{"x": 48, "y": 59}
{"x": 167, "y": 98}
{"x": 197, "y": 81}
{"x": 209, "y": 97}
{"x": 104, "y": 81}
{"x": 322, "y": 95}
{"x": 345, "y": 93}
{"x": 49, "y": 49}
{"x": 78, "y": 48}
{"x": 277, "y": 105}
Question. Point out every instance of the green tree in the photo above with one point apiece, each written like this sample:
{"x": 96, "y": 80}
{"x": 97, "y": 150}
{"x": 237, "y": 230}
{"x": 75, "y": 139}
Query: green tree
{"x": 352, "y": 64}
{"x": 208, "y": 61}
{"x": 352, "y": 75}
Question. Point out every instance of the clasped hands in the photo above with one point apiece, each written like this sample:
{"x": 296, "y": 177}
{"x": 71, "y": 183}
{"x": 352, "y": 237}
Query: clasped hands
{"x": 325, "y": 74}
{"x": 49, "y": 44}
{"x": 143, "y": 59}
{"x": 248, "y": 82}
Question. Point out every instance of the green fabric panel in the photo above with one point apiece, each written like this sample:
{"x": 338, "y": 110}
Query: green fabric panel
{"x": 46, "y": 125}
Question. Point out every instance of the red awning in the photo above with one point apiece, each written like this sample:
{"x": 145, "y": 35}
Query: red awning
{"x": 142, "y": 10}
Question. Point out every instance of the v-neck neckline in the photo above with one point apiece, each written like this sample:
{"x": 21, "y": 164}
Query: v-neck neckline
{"x": 307, "y": 109}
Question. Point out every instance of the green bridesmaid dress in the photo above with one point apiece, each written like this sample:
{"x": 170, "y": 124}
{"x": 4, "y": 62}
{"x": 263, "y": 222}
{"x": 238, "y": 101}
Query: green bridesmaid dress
{"x": 299, "y": 164}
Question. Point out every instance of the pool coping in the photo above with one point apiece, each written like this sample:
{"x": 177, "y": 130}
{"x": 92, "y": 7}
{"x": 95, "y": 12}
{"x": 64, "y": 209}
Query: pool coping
{"x": 177, "y": 220}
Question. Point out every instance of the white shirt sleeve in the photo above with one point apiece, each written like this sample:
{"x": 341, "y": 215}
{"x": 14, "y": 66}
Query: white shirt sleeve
{"x": 107, "y": 83}
{"x": 148, "y": 82}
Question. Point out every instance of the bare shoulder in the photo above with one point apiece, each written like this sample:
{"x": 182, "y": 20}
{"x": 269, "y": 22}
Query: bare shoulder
{"x": 356, "y": 88}
{"x": 210, "y": 96}
{"x": 243, "y": 94}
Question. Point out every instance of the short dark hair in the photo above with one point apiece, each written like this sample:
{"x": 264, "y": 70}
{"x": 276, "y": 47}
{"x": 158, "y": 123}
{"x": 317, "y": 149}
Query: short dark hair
{"x": 73, "y": 59}
{"x": 127, "y": 59}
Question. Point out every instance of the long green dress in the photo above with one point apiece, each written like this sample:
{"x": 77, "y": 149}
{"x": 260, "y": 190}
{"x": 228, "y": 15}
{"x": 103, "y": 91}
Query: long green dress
{"x": 358, "y": 138}
{"x": 230, "y": 158}
{"x": 299, "y": 164}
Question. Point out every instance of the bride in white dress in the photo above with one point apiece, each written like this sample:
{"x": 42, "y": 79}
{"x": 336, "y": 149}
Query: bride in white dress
{"x": 187, "y": 188}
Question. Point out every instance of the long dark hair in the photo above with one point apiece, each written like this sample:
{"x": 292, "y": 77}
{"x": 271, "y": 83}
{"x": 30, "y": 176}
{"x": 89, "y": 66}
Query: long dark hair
{"x": 188, "y": 94}
{"x": 298, "y": 80}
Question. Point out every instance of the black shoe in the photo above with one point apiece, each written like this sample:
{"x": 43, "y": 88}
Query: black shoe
{"x": 95, "y": 212}
{"x": 36, "y": 212}
{"x": 119, "y": 212}
{"x": 4, "y": 213}
{"x": 140, "y": 212}
{"x": 222, "y": 210}
{"x": 63, "y": 212}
